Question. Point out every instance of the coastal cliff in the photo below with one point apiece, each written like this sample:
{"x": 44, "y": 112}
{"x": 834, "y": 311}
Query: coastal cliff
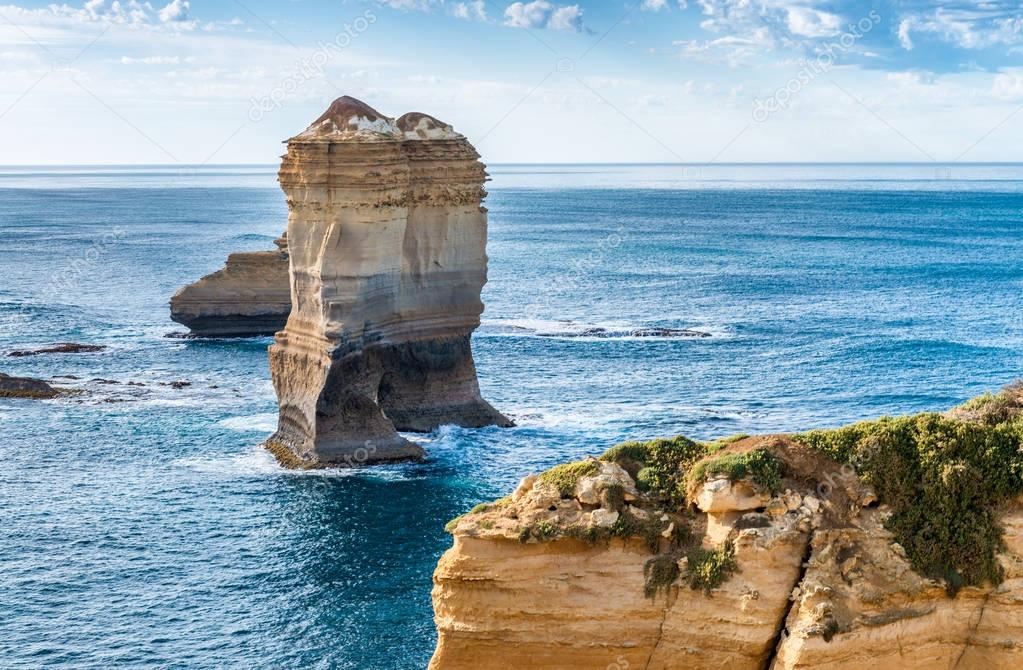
{"x": 891, "y": 543}
{"x": 387, "y": 237}
{"x": 249, "y": 297}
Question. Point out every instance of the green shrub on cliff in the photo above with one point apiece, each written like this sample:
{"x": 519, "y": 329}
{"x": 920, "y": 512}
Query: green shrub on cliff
{"x": 662, "y": 464}
{"x": 660, "y": 572}
{"x": 993, "y": 408}
{"x": 759, "y": 465}
{"x": 710, "y": 568}
{"x": 565, "y": 476}
{"x": 943, "y": 478}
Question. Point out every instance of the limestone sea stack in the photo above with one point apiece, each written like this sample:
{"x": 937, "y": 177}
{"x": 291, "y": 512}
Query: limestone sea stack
{"x": 249, "y": 297}
{"x": 895, "y": 543}
{"x": 387, "y": 236}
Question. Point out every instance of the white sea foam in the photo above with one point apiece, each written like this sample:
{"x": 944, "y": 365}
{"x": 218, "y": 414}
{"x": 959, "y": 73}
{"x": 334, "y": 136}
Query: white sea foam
{"x": 255, "y": 423}
{"x": 606, "y": 417}
{"x": 547, "y": 418}
{"x": 595, "y": 332}
{"x": 258, "y": 462}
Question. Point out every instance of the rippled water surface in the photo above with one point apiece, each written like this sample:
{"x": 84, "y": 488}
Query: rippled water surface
{"x": 142, "y": 525}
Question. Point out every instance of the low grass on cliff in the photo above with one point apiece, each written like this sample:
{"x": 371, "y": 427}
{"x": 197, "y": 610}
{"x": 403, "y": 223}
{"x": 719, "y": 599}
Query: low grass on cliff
{"x": 564, "y": 477}
{"x": 944, "y": 476}
{"x": 759, "y": 465}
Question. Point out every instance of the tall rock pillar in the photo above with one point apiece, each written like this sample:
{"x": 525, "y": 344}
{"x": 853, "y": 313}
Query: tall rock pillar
{"x": 387, "y": 239}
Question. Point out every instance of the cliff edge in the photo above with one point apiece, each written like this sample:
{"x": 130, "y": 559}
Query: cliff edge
{"x": 888, "y": 543}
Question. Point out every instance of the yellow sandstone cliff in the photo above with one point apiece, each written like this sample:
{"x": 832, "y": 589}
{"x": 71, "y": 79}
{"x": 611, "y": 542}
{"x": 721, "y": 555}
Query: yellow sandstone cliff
{"x": 762, "y": 552}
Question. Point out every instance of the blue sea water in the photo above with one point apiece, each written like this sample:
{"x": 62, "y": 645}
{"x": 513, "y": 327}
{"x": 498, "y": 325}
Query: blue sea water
{"x": 142, "y": 526}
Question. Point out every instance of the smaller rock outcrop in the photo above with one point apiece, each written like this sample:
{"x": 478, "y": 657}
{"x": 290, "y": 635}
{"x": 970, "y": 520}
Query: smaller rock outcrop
{"x": 249, "y": 297}
{"x": 26, "y": 387}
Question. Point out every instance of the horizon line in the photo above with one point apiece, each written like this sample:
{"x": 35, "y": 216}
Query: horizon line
{"x": 518, "y": 163}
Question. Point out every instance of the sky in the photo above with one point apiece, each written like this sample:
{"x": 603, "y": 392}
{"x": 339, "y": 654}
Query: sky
{"x": 546, "y": 81}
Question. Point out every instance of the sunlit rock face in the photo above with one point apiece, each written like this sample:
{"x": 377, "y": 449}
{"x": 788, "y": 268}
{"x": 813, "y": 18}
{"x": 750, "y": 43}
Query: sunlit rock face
{"x": 387, "y": 237}
{"x": 249, "y": 297}
{"x": 552, "y": 579}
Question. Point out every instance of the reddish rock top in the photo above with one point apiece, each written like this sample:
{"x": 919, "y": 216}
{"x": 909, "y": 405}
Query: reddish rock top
{"x": 345, "y": 108}
{"x": 416, "y": 125}
{"x": 349, "y": 117}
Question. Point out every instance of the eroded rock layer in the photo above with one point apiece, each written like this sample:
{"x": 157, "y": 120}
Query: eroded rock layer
{"x": 387, "y": 237}
{"x": 249, "y": 297}
{"x": 763, "y": 552}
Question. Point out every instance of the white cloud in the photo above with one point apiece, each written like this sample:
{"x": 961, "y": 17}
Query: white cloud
{"x": 654, "y": 5}
{"x": 176, "y": 10}
{"x": 1008, "y": 85}
{"x": 810, "y": 22}
{"x": 421, "y": 5}
{"x": 731, "y": 50}
{"x": 658, "y": 5}
{"x": 542, "y": 14}
{"x": 904, "y": 37}
{"x": 911, "y": 78}
{"x": 156, "y": 60}
{"x": 568, "y": 18}
{"x": 124, "y": 13}
{"x": 981, "y": 26}
{"x": 476, "y": 10}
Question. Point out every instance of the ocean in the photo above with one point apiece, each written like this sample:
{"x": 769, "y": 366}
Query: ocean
{"x": 143, "y": 526}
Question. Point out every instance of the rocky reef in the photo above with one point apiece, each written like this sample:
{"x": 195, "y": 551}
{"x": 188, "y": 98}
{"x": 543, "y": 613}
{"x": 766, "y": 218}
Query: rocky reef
{"x": 387, "y": 237}
{"x": 61, "y": 348}
{"x": 889, "y": 543}
{"x": 26, "y": 387}
{"x": 249, "y": 297}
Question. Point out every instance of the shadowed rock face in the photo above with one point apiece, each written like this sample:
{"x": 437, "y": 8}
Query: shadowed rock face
{"x": 249, "y": 297}
{"x": 387, "y": 238}
{"x": 25, "y": 387}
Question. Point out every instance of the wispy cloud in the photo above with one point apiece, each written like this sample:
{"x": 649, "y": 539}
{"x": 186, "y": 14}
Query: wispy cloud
{"x": 966, "y": 25}
{"x": 476, "y": 11}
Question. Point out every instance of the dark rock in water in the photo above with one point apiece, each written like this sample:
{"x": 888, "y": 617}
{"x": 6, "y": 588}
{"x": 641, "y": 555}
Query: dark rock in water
{"x": 25, "y": 387}
{"x": 62, "y": 348}
{"x": 180, "y": 384}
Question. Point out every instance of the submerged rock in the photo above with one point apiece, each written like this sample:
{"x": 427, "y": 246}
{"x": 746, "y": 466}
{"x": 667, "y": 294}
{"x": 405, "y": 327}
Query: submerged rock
{"x": 249, "y": 297}
{"x": 62, "y": 348}
{"x": 387, "y": 239}
{"x": 25, "y": 387}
